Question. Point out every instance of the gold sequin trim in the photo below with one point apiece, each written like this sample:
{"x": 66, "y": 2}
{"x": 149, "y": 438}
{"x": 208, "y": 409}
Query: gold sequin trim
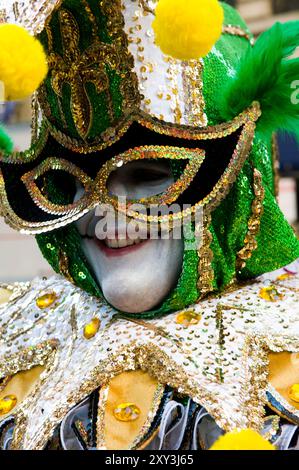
{"x": 193, "y": 91}
{"x": 237, "y": 31}
{"x": 254, "y": 223}
{"x": 41, "y": 201}
{"x": 195, "y": 159}
{"x": 114, "y": 134}
{"x": 205, "y": 254}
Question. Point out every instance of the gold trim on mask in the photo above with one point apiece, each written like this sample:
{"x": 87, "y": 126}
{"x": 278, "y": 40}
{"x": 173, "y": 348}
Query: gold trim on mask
{"x": 41, "y": 201}
{"x": 195, "y": 157}
{"x": 245, "y": 120}
{"x": 33, "y": 152}
{"x": 113, "y": 135}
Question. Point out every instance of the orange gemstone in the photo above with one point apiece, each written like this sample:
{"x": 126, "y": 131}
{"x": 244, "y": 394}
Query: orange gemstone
{"x": 7, "y": 404}
{"x": 294, "y": 393}
{"x": 271, "y": 294}
{"x": 46, "y": 300}
{"x": 126, "y": 412}
{"x": 188, "y": 318}
{"x": 91, "y": 329}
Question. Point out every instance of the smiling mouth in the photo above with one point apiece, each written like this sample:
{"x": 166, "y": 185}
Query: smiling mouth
{"x": 112, "y": 247}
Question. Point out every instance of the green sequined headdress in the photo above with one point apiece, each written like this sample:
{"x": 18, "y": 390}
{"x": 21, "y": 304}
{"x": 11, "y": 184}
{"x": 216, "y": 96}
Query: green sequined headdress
{"x": 110, "y": 89}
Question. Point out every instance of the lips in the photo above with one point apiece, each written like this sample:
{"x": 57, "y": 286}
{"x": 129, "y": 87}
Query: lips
{"x": 116, "y": 247}
{"x": 116, "y": 243}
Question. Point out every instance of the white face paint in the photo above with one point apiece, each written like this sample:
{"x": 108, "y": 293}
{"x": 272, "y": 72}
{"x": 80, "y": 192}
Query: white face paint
{"x": 134, "y": 275}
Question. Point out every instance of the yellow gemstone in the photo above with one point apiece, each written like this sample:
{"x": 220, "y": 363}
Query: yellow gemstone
{"x": 188, "y": 318}
{"x": 285, "y": 277}
{"x": 91, "y": 329}
{"x": 271, "y": 294}
{"x": 294, "y": 393}
{"x": 46, "y": 300}
{"x": 126, "y": 412}
{"x": 7, "y": 404}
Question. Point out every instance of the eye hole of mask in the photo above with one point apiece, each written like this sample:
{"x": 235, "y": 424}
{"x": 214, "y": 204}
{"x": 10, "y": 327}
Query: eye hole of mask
{"x": 43, "y": 182}
{"x": 140, "y": 179}
{"x": 144, "y": 175}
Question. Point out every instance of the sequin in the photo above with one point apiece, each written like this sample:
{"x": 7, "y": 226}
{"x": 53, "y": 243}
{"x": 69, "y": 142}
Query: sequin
{"x": 46, "y": 300}
{"x": 188, "y": 318}
{"x": 7, "y": 404}
{"x": 126, "y": 412}
{"x": 271, "y": 294}
{"x": 294, "y": 393}
{"x": 91, "y": 329}
{"x": 285, "y": 277}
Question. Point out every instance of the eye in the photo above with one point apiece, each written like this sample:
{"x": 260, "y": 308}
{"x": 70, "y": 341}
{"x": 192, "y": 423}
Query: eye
{"x": 142, "y": 178}
{"x": 147, "y": 175}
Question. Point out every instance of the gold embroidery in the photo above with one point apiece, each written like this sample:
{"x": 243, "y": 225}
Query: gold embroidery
{"x": 26, "y": 359}
{"x": 205, "y": 254}
{"x": 129, "y": 82}
{"x": 112, "y": 135}
{"x": 64, "y": 266}
{"x": 76, "y": 69}
{"x": 250, "y": 243}
{"x": 32, "y": 153}
{"x": 237, "y": 31}
{"x": 146, "y": 8}
{"x": 193, "y": 91}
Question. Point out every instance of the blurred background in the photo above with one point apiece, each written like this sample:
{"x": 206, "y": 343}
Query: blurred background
{"x": 20, "y": 258}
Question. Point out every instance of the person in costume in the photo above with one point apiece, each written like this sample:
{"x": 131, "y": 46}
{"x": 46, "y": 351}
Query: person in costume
{"x": 141, "y": 343}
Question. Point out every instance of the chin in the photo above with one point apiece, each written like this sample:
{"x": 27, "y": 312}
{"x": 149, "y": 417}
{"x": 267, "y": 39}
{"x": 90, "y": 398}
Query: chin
{"x": 138, "y": 280}
{"x": 133, "y": 294}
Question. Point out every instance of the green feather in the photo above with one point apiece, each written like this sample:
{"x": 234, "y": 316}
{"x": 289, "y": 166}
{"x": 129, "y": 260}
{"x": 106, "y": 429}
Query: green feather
{"x": 6, "y": 143}
{"x": 265, "y": 74}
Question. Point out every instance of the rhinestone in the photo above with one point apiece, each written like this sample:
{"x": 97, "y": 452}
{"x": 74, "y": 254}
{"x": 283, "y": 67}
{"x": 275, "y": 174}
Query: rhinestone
{"x": 188, "y": 318}
{"x": 294, "y": 393}
{"x": 126, "y": 412}
{"x": 46, "y": 300}
{"x": 91, "y": 329}
{"x": 7, "y": 404}
{"x": 270, "y": 294}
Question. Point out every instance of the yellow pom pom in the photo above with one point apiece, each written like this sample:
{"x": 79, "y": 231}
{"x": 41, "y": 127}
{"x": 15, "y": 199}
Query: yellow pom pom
{"x": 246, "y": 439}
{"x": 187, "y": 29}
{"x": 23, "y": 63}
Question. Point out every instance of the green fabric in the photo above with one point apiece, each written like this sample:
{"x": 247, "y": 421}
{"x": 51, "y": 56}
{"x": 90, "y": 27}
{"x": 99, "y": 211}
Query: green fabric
{"x": 6, "y": 144}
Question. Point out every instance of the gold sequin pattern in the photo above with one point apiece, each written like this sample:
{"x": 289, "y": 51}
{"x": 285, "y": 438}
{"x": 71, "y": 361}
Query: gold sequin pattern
{"x": 254, "y": 222}
{"x": 184, "y": 358}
